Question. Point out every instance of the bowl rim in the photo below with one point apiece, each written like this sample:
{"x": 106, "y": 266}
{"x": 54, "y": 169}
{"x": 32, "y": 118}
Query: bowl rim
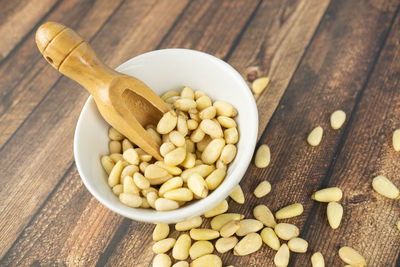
{"x": 200, "y": 206}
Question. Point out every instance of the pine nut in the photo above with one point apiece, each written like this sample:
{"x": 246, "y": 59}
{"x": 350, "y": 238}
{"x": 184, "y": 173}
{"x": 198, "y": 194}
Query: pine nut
{"x": 189, "y": 224}
{"x": 352, "y": 257}
{"x": 182, "y": 126}
{"x": 211, "y": 128}
{"x": 162, "y": 260}
{"x": 338, "y": 117}
{"x": 225, "y": 109}
{"x": 263, "y": 156}
{"x": 330, "y": 194}
{"x": 269, "y": 237}
{"x": 133, "y": 201}
{"x": 115, "y": 174}
{"x": 249, "y": 226}
{"x": 282, "y": 256}
{"x": 129, "y": 170}
{"x": 117, "y": 189}
{"x": 151, "y": 198}
{"x": 145, "y": 204}
{"x": 180, "y": 194}
{"x": 315, "y": 136}
{"x": 107, "y": 163}
{"x": 181, "y": 264}
{"x": 131, "y": 156}
{"x": 115, "y": 146}
{"x": 184, "y": 104}
{"x": 187, "y": 92}
{"x": 167, "y": 123}
{"x": 169, "y": 185}
{"x": 317, "y": 260}
{"x": 194, "y": 114}
{"x": 171, "y": 100}
{"x": 203, "y": 102}
{"x": 141, "y": 181}
{"x": 192, "y": 124}
{"x": 217, "y": 210}
{"x": 190, "y": 147}
{"x": 289, "y": 211}
{"x": 229, "y": 229}
{"x": 226, "y": 122}
{"x": 173, "y": 170}
{"x": 259, "y": 85}
{"x": 248, "y": 244}
{"x": 231, "y": 135}
{"x": 396, "y": 140}
{"x": 207, "y": 261}
{"x": 200, "y": 248}
{"x": 177, "y": 138}
{"x": 203, "y": 170}
{"x": 262, "y": 189}
{"x": 153, "y": 172}
{"x": 164, "y": 245}
{"x": 215, "y": 178}
{"x": 146, "y": 191}
{"x": 169, "y": 94}
{"x": 166, "y": 147}
{"x": 115, "y": 135}
{"x": 286, "y": 231}
{"x": 161, "y": 231}
{"x": 143, "y": 166}
{"x": 208, "y": 113}
{"x": 220, "y": 165}
{"x": 129, "y": 186}
{"x": 175, "y": 157}
{"x": 198, "y": 186}
{"x": 334, "y": 213}
{"x": 220, "y": 220}
{"x": 385, "y": 187}
{"x": 225, "y": 244}
{"x": 156, "y": 137}
{"x": 181, "y": 247}
{"x": 298, "y": 245}
{"x": 228, "y": 153}
{"x": 116, "y": 157}
{"x": 264, "y": 215}
{"x": 197, "y": 135}
{"x": 143, "y": 156}
{"x": 237, "y": 195}
{"x": 189, "y": 161}
{"x": 163, "y": 204}
{"x": 126, "y": 144}
{"x": 203, "y": 234}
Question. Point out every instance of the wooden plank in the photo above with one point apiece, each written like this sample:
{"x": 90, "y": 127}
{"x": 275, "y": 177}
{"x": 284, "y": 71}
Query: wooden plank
{"x": 17, "y": 20}
{"x": 330, "y": 76}
{"x": 369, "y": 222}
{"x": 27, "y": 78}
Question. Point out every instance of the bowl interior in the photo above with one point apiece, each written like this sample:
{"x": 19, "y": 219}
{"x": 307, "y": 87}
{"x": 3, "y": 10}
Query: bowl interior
{"x": 163, "y": 70}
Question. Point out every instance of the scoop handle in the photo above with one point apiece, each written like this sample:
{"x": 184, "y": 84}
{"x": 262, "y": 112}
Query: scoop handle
{"x": 71, "y": 55}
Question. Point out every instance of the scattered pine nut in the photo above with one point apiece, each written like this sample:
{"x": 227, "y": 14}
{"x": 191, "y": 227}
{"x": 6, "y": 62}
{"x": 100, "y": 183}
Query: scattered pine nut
{"x": 317, "y": 260}
{"x": 334, "y": 213}
{"x": 338, "y": 117}
{"x": 162, "y": 260}
{"x": 217, "y": 210}
{"x": 203, "y": 234}
{"x": 259, "y": 85}
{"x": 207, "y": 261}
{"x": 264, "y": 215}
{"x": 220, "y": 220}
{"x": 396, "y": 140}
{"x": 229, "y": 229}
{"x": 262, "y": 189}
{"x": 161, "y": 231}
{"x": 180, "y": 251}
{"x": 289, "y": 211}
{"x": 163, "y": 245}
{"x": 263, "y": 156}
{"x": 270, "y": 238}
{"x": 225, "y": 244}
{"x": 298, "y": 245}
{"x": 315, "y": 136}
{"x": 286, "y": 231}
{"x": 352, "y": 257}
{"x": 330, "y": 194}
{"x": 282, "y": 256}
{"x": 248, "y": 244}
{"x": 248, "y": 226}
{"x": 237, "y": 195}
{"x": 200, "y": 248}
{"x": 189, "y": 224}
{"x": 181, "y": 264}
{"x": 385, "y": 187}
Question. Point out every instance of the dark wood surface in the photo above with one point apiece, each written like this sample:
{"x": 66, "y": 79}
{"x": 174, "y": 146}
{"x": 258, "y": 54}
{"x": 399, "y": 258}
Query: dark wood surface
{"x": 320, "y": 55}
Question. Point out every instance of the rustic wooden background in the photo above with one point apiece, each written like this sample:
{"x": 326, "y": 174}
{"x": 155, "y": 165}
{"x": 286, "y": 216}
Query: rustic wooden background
{"x": 321, "y": 55}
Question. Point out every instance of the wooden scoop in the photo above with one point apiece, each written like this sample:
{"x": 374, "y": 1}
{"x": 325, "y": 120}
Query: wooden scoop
{"x": 125, "y": 102}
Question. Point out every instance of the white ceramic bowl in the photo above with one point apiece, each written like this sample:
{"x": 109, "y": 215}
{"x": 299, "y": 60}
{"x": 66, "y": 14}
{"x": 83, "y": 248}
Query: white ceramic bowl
{"x": 163, "y": 70}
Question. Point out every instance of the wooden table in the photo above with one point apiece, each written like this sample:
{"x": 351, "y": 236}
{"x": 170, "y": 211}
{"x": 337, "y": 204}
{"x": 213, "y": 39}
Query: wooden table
{"x": 321, "y": 56}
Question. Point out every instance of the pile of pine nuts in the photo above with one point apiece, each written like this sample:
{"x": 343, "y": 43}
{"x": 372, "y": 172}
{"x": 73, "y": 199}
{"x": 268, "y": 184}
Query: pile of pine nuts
{"x": 197, "y": 139}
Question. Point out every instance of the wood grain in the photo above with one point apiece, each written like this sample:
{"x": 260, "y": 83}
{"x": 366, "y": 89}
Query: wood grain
{"x": 320, "y": 55}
